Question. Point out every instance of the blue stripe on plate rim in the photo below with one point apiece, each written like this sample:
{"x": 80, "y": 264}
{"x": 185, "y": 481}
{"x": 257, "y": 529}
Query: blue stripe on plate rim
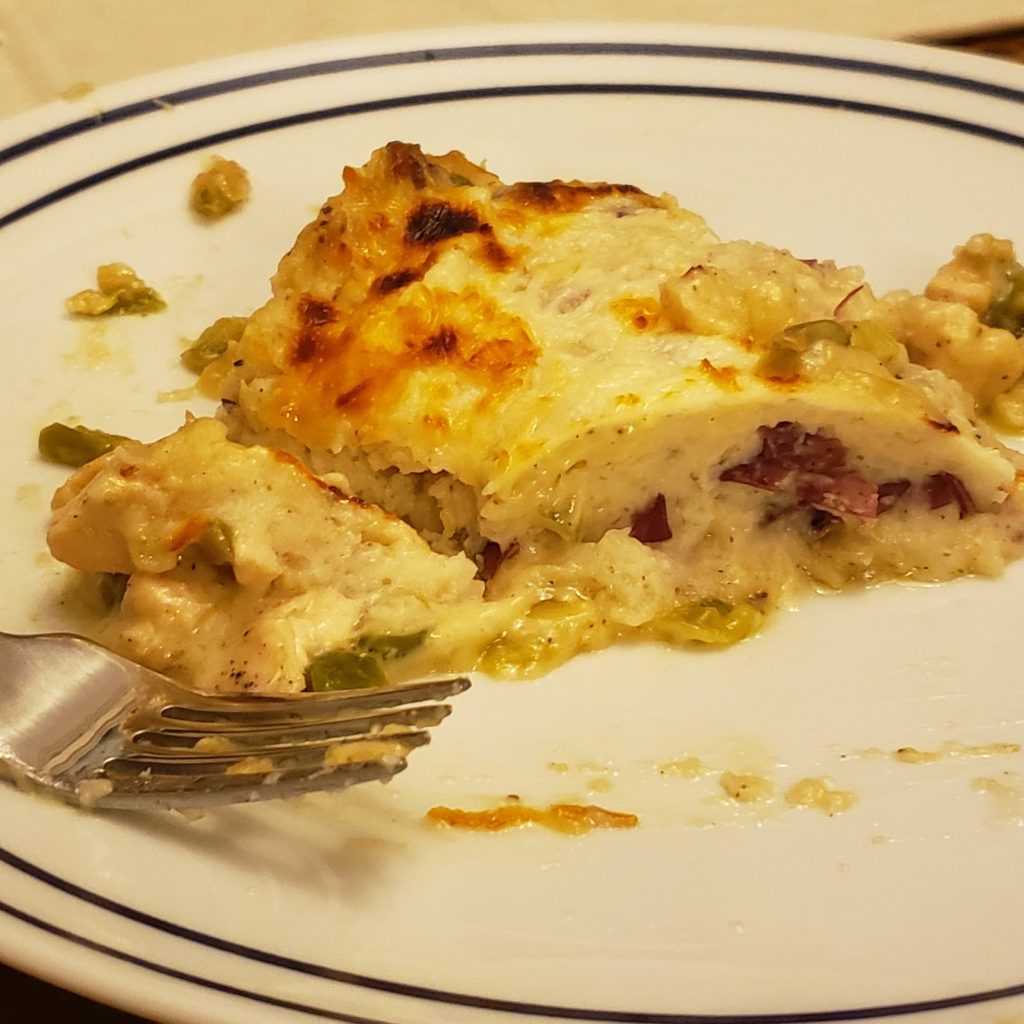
{"x": 403, "y": 989}
{"x": 207, "y": 90}
{"x": 236, "y": 84}
{"x": 504, "y": 91}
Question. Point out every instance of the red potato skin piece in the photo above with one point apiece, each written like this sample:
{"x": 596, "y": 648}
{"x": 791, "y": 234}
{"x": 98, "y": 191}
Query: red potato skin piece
{"x": 650, "y": 525}
{"x": 816, "y": 466}
{"x": 493, "y": 557}
{"x": 890, "y": 492}
{"x": 844, "y": 492}
{"x": 946, "y": 489}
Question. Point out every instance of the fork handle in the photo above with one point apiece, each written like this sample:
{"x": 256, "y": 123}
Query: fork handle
{"x": 49, "y": 717}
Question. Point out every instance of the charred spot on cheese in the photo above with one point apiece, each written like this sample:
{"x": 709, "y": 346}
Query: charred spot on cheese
{"x": 396, "y": 280}
{"x": 442, "y": 343}
{"x": 313, "y": 314}
{"x": 538, "y": 193}
{"x": 434, "y": 221}
{"x": 349, "y": 399}
{"x": 367, "y": 365}
{"x": 316, "y": 312}
{"x": 570, "y": 196}
{"x": 406, "y": 162}
{"x": 641, "y": 314}
{"x": 492, "y": 251}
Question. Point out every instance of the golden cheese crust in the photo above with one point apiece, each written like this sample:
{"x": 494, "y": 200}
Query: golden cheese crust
{"x": 391, "y": 305}
{"x": 364, "y": 334}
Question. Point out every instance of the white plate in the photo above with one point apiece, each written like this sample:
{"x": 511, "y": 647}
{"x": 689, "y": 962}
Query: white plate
{"x": 350, "y": 908}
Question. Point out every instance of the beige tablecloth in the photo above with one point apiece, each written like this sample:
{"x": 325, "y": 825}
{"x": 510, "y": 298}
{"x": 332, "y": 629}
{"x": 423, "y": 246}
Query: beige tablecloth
{"x": 49, "y": 46}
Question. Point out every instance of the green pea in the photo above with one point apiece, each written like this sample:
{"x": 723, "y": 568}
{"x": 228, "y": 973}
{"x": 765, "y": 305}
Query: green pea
{"x": 220, "y": 188}
{"x": 75, "y": 446}
{"x": 213, "y": 343}
{"x": 802, "y": 336}
{"x": 217, "y": 543}
{"x": 119, "y": 292}
{"x": 112, "y": 587}
{"x": 387, "y": 646}
{"x": 343, "y": 670}
{"x": 1007, "y": 307}
{"x": 783, "y": 360}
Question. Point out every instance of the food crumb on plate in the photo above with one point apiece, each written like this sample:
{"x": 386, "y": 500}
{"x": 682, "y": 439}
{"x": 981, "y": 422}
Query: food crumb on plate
{"x": 573, "y": 819}
{"x": 746, "y": 788}
{"x": 219, "y": 189}
{"x": 1006, "y": 794}
{"x": 685, "y": 768}
{"x": 119, "y": 291}
{"x": 911, "y": 755}
{"x": 821, "y": 795}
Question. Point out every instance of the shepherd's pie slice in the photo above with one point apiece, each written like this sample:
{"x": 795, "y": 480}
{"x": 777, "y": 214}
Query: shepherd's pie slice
{"x": 234, "y": 568}
{"x": 627, "y": 427}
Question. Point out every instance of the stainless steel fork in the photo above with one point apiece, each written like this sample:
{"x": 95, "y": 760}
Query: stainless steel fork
{"x": 98, "y": 730}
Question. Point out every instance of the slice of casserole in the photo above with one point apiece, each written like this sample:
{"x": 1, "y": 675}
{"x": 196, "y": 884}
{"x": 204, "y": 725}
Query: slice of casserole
{"x": 581, "y": 387}
{"x": 628, "y": 427}
{"x": 234, "y": 568}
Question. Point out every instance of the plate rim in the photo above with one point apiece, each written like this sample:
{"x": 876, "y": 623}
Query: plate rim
{"x": 152, "y": 92}
{"x": 157, "y": 102}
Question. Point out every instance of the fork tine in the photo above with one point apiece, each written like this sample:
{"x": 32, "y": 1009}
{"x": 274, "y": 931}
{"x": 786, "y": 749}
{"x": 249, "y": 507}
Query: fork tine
{"x": 309, "y": 757}
{"x": 197, "y": 780}
{"x": 307, "y": 707}
{"x": 186, "y": 792}
{"x": 270, "y": 736}
{"x": 96, "y": 729}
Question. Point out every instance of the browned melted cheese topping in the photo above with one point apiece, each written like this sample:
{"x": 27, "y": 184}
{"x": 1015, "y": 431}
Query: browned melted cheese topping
{"x": 360, "y": 348}
{"x": 568, "y": 196}
{"x": 370, "y": 332}
{"x": 723, "y": 376}
{"x": 574, "y": 819}
{"x": 638, "y": 314}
